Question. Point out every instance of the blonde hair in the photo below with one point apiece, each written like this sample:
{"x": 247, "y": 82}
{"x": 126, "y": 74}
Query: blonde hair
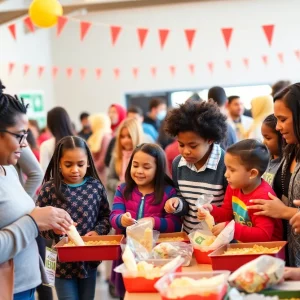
{"x": 136, "y": 133}
{"x": 100, "y": 125}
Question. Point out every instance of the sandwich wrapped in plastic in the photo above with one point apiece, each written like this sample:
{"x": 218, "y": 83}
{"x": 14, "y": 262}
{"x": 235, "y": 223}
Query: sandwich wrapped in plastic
{"x": 209, "y": 221}
{"x": 259, "y": 274}
{"x": 173, "y": 249}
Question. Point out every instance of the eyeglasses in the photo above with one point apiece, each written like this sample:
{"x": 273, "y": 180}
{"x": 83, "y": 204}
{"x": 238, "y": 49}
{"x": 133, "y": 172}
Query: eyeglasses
{"x": 21, "y": 136}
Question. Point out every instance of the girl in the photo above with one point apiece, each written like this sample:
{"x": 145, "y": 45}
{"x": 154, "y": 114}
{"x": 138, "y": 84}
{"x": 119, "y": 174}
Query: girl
{"x": 71, "y": 182}
{"x": 99, "y": 141}
{"x": 274, "y": 142}
{"x": 143, "y": 196}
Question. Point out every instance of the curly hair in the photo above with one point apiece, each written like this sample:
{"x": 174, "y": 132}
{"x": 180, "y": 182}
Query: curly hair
{"x": 203, "y": 118}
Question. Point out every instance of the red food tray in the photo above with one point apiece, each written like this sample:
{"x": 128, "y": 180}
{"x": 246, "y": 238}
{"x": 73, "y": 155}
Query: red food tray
{"x": 202, "y": 256}
{"x": 90, "y": 253}
{"x": 172, "y": 235}
{"x": 233, "y": 262}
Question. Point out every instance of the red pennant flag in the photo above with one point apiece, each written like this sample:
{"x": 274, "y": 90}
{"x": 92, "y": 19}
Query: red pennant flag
{"x": 41, "y": 70}
{"x": 84, "y": 28}
{"x": 227, "y": 32}
{"x": 246, "y": 62}
{"x": 280, "y": 57}
{"x": 297, "y": 52}
{"x": 69, "y": 72}
{"x": 135, "y": 72}
{"x": 10, "y": 67}
{"x": 114, "y": 32}
{"x": 61, "y": 23}
{"x": 98, "y": 73}
{"x": 190, "y": 35}
{"x": 228, "y": 64}
{"x": 192, "y": 68}
{"x": 142, "y": 34}
{"x": 26, "y": 69}
{"x": 82, "y": 73}
{"x": 29, "y": 24}
{"x": 163, "y": 35}
{"x": 172, "y": 70}
{"x": 54, "y": 72}
{"x": 153, "y": 71}
{"x": 12, "y": 30}
{"x": 210, "y": 66}
{"x": 268, "y": 30}
{"x": 117, "y": 73}
{"x": 265, "y": 59}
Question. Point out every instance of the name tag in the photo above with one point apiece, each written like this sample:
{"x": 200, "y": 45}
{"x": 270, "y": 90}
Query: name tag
{"x": 50, "y": 265}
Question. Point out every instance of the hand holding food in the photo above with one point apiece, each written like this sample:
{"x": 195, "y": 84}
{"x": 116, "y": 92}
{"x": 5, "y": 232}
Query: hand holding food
{"x": 74, "y": 236}
{"x": 127, "y": 220}
{"x": 171, "y": 205}
{"x": 216, "y": 230}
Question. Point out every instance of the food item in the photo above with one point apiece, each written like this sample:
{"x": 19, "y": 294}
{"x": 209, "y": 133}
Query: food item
{"x": 171, "y": 239}
{"x": 256, "y": 249}
{"x": 93, "y": 243}
{"x": 129, "y": 260}
{"x": 74, "y": 236}
{"x": 147, "y": 240}
{"x": 209, "y": 219}
{"x": 165, "y": 250}
{"x": 148, "y": 270}
{"x": 202, "y": 239}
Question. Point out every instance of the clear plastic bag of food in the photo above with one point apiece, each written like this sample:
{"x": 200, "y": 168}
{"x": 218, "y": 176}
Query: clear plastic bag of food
{"x": 170, "y": 250}
{"x": 209, "y": 221}
{"x": 257, "y": 275}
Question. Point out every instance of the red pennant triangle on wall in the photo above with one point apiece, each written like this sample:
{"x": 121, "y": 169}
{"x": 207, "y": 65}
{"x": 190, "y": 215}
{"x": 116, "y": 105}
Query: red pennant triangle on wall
{"x": 25, "y": 69}
{"x": 41, "y": 70}
{"x": 172, "y": 70}
{"x": 114, "y": 32}
{"x": 82, "y": 73}
{"x": 190, "y": 35}
{"x": 11, "y": 66}
{"x": 84, "y": 28}
{"x": 54, "y": 71}
{"x": 117, "y": 72}
{"x": 265, "y": 59}
{"x": 69, "y": 72}
{"x": 29, "y": 24}
{"x": 297, "y": 53}
{"x": 280, "y": 57}
{"x": 228, "y": 64}
{"x": 192, "y": 68}
{"x": 210, "y": 66}
{"x": 163, "y": 35}
{"x": 153, "y": 71}
{"x": 98, "y": 73}
{"x": 135, "y": 72}
{"x": 142, "y": 34}
{"x": 269, "y": 31}
{"x": 12, "y": 30}
{"x": 227, "y": 33}
{"x": 246, "y": 62}
{"x": 61, "y": 23}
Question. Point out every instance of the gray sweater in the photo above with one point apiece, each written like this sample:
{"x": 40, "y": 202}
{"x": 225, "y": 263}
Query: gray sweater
{"x": 18, "y": 232}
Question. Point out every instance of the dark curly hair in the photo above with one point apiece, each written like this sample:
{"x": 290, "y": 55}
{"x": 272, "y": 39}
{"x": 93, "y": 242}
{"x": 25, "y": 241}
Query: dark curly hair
{"x": 203, "y": 118}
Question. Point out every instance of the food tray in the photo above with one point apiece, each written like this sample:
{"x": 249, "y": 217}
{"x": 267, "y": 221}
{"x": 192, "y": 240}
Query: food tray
{"x": 202, "y": 256}
{"x": 90, "y": 253}
{"x": 183, "y": 235}
{"x": 233, "y": 262}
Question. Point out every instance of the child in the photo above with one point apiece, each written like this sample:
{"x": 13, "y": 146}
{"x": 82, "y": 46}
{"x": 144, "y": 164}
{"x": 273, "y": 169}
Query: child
{"x": 245, "y": 163}
{"x": 71, "y": 182}
{"x": 274, "y": 142}
{"x": 143, "y": 196}
{"x": 200, "y": 168}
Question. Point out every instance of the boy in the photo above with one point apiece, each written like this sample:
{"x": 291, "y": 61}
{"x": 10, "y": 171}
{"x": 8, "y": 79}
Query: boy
{"x": 245, "y": 163}
{"x": 200, "y": 168}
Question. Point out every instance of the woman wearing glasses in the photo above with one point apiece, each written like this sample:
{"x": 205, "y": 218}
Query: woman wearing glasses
{"x": 20, "y": 220}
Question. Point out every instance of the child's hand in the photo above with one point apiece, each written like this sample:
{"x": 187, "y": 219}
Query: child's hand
{"x": 201, "y": 215}
{"x": 291, "y": 274}
{"x": 171, "y": 205}
{"x": 208, "y": 207}
{"x": 216, "y": 230}
{"x": 92, "y": 233}
{"x": 126, "y": 220}
{"x": 58, "y": 232}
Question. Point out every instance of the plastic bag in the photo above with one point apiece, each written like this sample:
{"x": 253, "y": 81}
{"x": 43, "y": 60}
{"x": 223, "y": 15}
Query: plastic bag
{"x": 169, "y": 250}
{"x": 209, "y": 221}
{"x": 257, "y": 275}
{"x": 234, "y": 294}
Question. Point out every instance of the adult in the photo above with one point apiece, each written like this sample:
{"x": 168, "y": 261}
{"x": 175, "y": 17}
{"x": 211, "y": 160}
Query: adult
{"x": 20, "y": 220}
{"x": 86, "y": 130}
{"x": 287, "y": 179}
{"x": 59, "y": 124}
{"x": 116, "y": 113}
{"x": 236, "y": 117}
{"x": 218, "y": 95}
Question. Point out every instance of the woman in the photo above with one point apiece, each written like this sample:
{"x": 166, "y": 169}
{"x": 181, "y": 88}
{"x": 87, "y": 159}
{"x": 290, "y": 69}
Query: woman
{"x": 59, "y": 124}
{"x": 286, "y": 182}
{"x": 117, "y": 114}
{"x": 20, "y": 221}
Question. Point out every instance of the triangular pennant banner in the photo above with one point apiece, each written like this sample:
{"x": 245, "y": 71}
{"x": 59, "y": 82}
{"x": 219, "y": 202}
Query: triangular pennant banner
{"x": 246, "y": 62}
{"x": 280, "y": 57}
{"x": 25, "y": 69}
{"x": 135, "y": 72}
{"x": 265, "y": 59}
{"x": 172, "y": 70}
{"x": 98, "y": 73}
{"x": 29, "y": 24}
{"x": 227, "y": 32}
{"x": 192, "y": 68}
{"x": 269, "y": 31}
{"x": 12, "y": 30}
{"x": 61, "y": 23}
{"x": 163, "y": 35}
{"x": 84, "y": 28}
{"x": 117, "y": 72}
{"x": 82, "y": 73}
{"x": 210, "y": 66}
{"x": 228, "y": 64}
{"x": 114, "y": 32}
{"x": 54, "y": 72}
{"x": 297, "y": 53}
{"x": 142, "y": 34}
{"x": 69, "y": 72}
{"x": 153, "y": 71}
{"x": 11, "y": 66}
{"x": 41, "y": 70}
{"x": 190, "y": 35}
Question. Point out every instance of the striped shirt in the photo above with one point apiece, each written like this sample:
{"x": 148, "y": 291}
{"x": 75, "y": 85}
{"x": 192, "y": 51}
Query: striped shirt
{"x": 191, "y": 183}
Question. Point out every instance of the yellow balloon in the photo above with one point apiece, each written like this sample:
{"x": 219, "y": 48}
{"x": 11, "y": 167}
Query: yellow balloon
{"x": 44, "y": 13}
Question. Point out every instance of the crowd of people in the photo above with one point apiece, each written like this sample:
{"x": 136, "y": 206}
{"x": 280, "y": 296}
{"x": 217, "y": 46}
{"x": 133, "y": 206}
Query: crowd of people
{"x": 124, "y": 166}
